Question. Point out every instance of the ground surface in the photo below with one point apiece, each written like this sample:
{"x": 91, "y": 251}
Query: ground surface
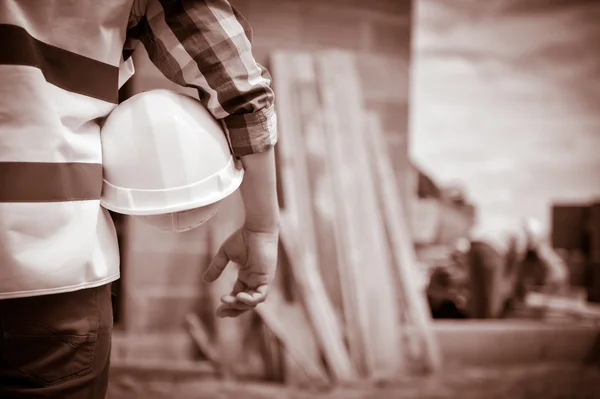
{"x": 533, "y": 382}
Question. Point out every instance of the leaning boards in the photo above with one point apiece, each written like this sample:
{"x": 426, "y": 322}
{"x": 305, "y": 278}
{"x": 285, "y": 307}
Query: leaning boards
{"x": 362, "y": 232}
{"x": 333, "y": 203}
{"x": 300, "y": 230}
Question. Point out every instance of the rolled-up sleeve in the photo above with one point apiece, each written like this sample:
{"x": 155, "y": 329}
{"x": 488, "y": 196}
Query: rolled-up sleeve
{"x": 206, "y": 45}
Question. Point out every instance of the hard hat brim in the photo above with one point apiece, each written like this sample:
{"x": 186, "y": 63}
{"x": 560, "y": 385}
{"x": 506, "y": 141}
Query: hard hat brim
{"x": 137, "y": 202}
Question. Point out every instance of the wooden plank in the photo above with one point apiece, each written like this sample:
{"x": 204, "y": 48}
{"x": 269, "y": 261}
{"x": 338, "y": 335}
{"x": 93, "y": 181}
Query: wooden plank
{"x": 288, "y": 327}
{"x": 294, "y": 373}
{"x": 289, "y": 347}
{"x": 570, "y": 306}
{"x": 273, "y": 354}
{"x": 202, "y": 340}
{"x": 297, "y": 228}
{"x": 373, "y": 328}
{"x": 343, "y": 286}
{"x": 402, "y": 246}
{"x": 356, "y": 311}
{"x": 164, "y": 369}
{"x": 323, "y": 202}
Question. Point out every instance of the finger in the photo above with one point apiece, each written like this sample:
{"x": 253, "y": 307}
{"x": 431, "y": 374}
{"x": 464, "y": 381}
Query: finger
{"x": 235, "y": 304}
{"x": 255, "y": 296}
{"x": 216, "y": 267}
{"x": 263, "y": 289}
{"x": 238, "y": 287}
{"x": 233, "y": 301}
{"x": 238, "y": 164}
{"x": 228, "y": 299}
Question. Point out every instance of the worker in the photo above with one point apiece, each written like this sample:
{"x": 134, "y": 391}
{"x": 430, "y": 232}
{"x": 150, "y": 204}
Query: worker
{"x": 62, "y": 64}
{"x": 541, "y": 268}
{"x": 491, "y": 271}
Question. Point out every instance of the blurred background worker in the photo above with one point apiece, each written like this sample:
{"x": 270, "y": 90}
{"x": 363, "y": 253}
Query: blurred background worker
{"x": 62, "y": 65}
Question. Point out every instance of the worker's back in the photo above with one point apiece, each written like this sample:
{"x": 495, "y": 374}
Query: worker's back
{"x": 61, "y": 66}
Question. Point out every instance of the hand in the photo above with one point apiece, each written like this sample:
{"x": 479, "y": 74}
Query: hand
{"x": 256, "y": 254}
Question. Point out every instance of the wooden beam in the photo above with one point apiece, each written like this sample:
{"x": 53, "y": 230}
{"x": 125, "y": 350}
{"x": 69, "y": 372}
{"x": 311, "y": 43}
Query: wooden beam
{"x": 371, "y": 301}
{"x": 297, "y": 228}
{"x": 568, "y": 306}
{"x": 203, "y": 342}
{"x": 290, "y": 327}
{"x": 402, "y": 245}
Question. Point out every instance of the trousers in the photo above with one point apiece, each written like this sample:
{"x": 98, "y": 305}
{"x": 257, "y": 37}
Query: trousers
{"x": 56, "y": 346}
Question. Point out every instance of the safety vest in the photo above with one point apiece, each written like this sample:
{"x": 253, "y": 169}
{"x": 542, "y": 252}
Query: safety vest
{"x": 61, "y": 66}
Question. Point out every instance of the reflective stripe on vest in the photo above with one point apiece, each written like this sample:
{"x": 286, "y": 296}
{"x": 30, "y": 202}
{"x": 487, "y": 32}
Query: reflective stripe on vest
{"x": 60, "y": 70}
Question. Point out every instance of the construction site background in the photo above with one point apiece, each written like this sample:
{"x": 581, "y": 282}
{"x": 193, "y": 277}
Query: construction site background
{"x": 488, "y": 121}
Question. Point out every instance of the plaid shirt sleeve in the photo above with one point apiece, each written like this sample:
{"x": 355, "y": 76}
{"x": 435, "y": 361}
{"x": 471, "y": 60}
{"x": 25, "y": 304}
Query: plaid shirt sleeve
{"x": 206, "y": 45}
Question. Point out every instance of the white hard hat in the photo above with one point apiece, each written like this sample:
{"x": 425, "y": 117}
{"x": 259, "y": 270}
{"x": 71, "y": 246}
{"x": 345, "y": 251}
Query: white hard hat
{"x": 462, "y": 245}
{"x": 534, "y": 231}
{"x": 166, "y": 160}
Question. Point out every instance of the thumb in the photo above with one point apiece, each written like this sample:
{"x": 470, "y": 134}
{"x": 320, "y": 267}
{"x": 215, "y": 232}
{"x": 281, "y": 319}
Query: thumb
{"x": 216, "y": 267}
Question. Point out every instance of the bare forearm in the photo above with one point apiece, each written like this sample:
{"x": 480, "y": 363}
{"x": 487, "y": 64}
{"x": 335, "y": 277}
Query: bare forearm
{"x": 259, "y": 192}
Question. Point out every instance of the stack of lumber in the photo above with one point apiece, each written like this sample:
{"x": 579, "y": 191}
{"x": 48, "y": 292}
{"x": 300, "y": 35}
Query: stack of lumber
{"x": 564, "y": 307}
{"x": 348, "y": 290}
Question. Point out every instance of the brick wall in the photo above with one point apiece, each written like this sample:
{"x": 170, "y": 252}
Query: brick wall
{"x": 162, "y": 271}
